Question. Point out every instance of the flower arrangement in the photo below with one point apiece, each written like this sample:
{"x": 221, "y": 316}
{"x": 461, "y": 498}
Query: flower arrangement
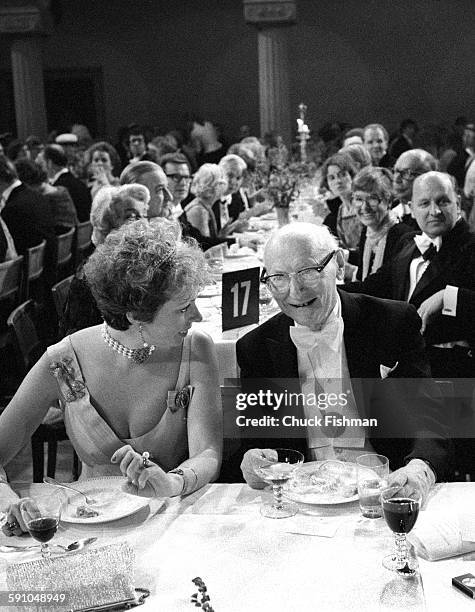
{"x": 201, "y": 599}
{"x": 285, "y": 183}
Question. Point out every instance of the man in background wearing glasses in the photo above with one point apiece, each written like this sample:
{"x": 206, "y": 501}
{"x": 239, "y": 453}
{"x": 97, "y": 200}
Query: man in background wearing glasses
{"x": 409, "y": 165}
{"x": 325, "y": 337}
{"x": 177, "y": 170}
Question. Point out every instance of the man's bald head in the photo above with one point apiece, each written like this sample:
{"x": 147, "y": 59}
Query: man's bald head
{"x": 316, "y": 237}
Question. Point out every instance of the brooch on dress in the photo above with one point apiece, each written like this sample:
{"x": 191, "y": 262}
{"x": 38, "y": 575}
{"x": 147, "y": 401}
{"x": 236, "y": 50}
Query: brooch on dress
{"x": 64, "y": 371}
{"x": 180, "y": 399}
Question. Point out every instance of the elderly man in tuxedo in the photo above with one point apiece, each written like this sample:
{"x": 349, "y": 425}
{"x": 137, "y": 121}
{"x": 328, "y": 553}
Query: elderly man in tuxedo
{"x": 429, "y": 271}
{"x": 372, "y": 346}
{"x": 408, "y": 166}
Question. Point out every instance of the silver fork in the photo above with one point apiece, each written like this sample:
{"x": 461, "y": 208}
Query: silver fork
{"x": 56, "y": 483}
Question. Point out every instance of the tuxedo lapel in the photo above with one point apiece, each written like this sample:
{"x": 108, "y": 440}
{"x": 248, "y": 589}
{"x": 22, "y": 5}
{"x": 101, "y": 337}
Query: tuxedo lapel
{"x": 282, "y": 350}
{"x": 431, "y": 273}
{"x": 401, "y": 277}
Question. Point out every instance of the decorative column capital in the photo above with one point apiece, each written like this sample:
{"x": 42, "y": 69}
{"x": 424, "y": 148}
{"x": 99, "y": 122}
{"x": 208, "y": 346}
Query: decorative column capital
{"x": 263, "y": 13}
{"x": 25, "y": 17}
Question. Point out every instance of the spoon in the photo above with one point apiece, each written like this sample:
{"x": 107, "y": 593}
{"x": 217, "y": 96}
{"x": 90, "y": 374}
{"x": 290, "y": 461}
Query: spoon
{"x": 78, "y": 545}
{"x": 56, "y": 483}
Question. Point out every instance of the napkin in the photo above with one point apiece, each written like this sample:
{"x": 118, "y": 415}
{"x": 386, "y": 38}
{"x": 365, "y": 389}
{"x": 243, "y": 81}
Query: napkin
{"x": 443, "y": 533}
{"x": 312, "y": 525}
{"x": 97, "y": 577}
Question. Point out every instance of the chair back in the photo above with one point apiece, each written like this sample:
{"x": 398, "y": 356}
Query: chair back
{"x": 83, "y": 241}
{"x": 24, "y": 324}
{"x": 65, "y": 248}
{"x": 33, "y": 266}
{"x": 60, "y": 293}
{"x": 10, "y": 279}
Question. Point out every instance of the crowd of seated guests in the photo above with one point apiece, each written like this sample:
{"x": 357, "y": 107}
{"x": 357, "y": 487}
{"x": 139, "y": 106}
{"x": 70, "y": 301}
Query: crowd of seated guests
{"x": 380, "y": 192}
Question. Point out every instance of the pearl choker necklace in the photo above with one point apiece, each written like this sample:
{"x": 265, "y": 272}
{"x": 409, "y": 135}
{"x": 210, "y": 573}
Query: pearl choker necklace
{"x": 138, "y": 355}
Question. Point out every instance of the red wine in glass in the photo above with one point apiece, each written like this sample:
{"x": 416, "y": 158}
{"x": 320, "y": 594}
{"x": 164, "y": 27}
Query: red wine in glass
{"x": 43, "y": 529}
{"x": 41, "y": 516}
{"x": 400, "y": 514}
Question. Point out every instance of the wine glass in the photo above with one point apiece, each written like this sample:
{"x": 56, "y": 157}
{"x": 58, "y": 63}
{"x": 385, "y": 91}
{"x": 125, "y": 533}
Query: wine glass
{"x": 400, "y": 514}
{"x": 278, "y": 472}
{"x": 265, "y": 300}
{"x": 41, "y": 516}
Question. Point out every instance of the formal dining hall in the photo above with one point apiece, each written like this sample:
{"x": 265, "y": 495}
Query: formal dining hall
{"x": 237, "y": 305}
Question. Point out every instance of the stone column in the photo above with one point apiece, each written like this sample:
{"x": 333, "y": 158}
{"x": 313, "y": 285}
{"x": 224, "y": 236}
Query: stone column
{"x": 28, "y": 87}
{"x": 25, "y": 23}
{"x": 272, "y": 19}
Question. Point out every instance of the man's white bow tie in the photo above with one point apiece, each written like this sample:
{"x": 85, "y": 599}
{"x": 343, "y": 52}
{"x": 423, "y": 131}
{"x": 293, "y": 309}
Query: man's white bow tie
{"x": 304, "y": 338}
{"x": 423, "y": 242}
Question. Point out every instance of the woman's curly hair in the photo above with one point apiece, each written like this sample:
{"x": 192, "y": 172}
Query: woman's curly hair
{"x": 375, "y": 180}
{"x": 140, "y": 267}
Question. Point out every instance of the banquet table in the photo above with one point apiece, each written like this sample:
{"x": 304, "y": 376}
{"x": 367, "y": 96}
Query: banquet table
{"x": 249, "y": 562}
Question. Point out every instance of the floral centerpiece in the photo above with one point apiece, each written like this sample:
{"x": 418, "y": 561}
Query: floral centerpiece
{"x": 285, "y": 184}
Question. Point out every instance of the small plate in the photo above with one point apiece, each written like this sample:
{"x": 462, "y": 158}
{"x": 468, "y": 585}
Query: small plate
{"x": 316, "y": 498}
{"x": 111, "y": 493}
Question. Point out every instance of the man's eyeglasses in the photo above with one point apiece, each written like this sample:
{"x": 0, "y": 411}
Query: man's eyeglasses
{"x": 178, "y": 178}
{"x": 371, "y": 201}
{"x": 308, "y": 276}
{"x": 406, "y": 175}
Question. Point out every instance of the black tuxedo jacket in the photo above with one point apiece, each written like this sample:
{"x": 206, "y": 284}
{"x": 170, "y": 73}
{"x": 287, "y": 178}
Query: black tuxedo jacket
{"x": 454, "y": 265}
{"x": 376, "y": 332}
{"x": 235, "y": 209}
{"x": 79, "y": 193}
{"x": 28, "y": 217}
{"x": 394, "y": 235}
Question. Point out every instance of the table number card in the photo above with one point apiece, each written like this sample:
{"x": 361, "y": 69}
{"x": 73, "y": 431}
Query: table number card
{"x": 240, "y": 298}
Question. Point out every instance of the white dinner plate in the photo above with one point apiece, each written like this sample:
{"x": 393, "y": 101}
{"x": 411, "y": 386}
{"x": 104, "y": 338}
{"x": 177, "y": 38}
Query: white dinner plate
{"x": 114, "y": 502}
{"x": 316, "y": 498}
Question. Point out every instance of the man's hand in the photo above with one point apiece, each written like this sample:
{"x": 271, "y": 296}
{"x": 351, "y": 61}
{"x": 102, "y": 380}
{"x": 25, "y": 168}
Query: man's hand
{"x": 251, "y": 461}
{"x": 415, "y": 477}
{"x": 429, "y": 307}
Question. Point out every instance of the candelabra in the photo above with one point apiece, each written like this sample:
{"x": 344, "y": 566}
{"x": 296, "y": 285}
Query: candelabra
{"x": 303, "y": 131}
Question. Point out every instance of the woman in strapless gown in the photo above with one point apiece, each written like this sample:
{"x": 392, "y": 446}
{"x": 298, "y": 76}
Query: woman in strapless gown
{"x": 140, "y": 385}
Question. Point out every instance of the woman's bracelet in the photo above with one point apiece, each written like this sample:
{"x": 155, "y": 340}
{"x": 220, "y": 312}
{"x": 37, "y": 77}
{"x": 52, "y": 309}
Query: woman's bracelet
{"x": 190, "y": 479}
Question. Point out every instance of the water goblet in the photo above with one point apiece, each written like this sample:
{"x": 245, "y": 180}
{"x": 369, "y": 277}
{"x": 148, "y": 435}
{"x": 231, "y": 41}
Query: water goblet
{"x": 400, "y": 514}
{"x": 373, "y": 471}
{"x": 277, "y": 473}
{"x": 41, "y": 516}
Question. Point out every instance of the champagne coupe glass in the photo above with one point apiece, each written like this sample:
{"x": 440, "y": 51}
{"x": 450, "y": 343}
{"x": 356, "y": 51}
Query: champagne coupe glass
{"x": 278, "y": 472}
{"x": 41, "y": 516}
{"x": 400, "y": 514}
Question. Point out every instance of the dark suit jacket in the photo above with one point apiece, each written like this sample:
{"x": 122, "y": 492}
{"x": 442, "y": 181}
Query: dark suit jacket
{"x": 377, "y": 332}
{"x": 454, "y": 265}
{"x": 458, "y": 167}
{"x": 28, "y": 217}
{"x": 398, "y": 146}
{"x": 394, "y": 234}
{"x": 79, "y": 193}
{"x": 235, "y": 209}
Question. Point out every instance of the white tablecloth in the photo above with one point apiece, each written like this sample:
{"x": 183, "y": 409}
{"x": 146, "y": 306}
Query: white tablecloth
{"x": 251, "y": 563}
